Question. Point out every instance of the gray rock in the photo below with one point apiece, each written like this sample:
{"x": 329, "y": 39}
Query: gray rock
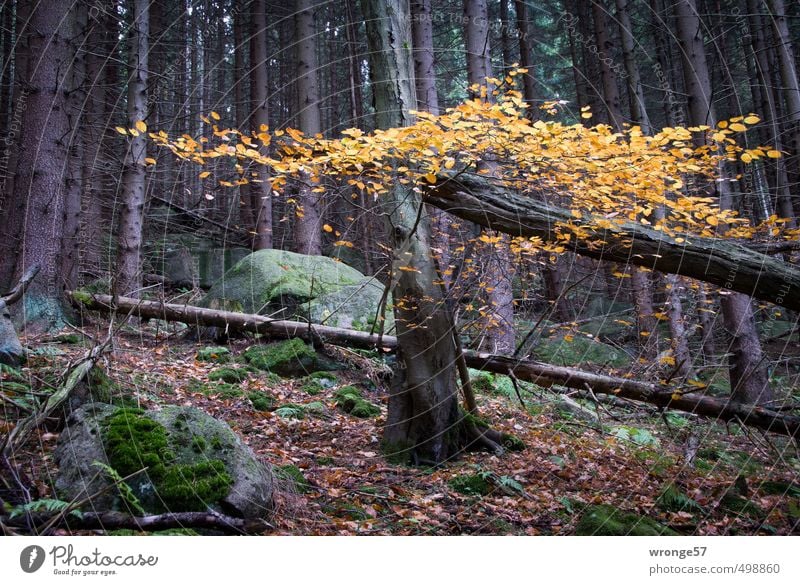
{"x": 350, "y": 307}
{"x": 193, "y": 437}
{"x": 11, "y": 352}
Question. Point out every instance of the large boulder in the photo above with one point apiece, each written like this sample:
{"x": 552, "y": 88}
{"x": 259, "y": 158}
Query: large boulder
{"x": 354, "y": 306}
{"x": 11, "y": 352}
{"x": 297, "y": 286}
{"x": 194, "y": 462}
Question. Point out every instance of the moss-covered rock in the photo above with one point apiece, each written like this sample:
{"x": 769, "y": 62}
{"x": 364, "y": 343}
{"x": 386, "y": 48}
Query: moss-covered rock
{"x": 353, "y": 306}
{"x": 740, "y": 506}
{"x": 267, "y": 281}
{"x": 473, "y": 484}
{"x": 261, "y": 401}
{"x": 218, "y": 354}
{"x": 349, "y": 399}
{"x": 178, "y": 459}
{"x": 290, "y": 410}
{"x": 229, "y": 375}
{"x": 290, "y": 358}
{"x": 607, "y": 520}
{"x": 318, "y": 382}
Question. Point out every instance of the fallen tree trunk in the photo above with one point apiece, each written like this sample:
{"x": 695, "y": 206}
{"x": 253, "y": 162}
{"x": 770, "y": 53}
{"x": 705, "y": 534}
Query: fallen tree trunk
{"x": 726, "y": 263}
{"x": 661, "y": 395}
{"x": 118, "y": 520}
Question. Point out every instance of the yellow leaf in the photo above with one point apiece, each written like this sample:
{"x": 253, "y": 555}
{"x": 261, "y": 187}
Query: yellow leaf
{"x": 205, "y": 174}
{"x": 774, "y": 154}
{"x": 746, "y": 158}
{"x": 737, "y": 127}
{"x": 121, "y": 130}
{"x": 215, "y": 115}
{"x": 327, "y": 228}
{"x": 150, "y": 161}
{"x": 431, "y": 178}
{"x": 569, "y": 338}
{"x": 586, "y": 115}
{"x": 696, "y": 383}
{"x": 141, "y": 126}
{"x": 752, "y": 119}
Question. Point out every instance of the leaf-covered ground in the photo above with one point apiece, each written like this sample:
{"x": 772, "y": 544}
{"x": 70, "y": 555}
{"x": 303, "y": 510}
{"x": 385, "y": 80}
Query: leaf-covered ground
{"x": 741, "y": 482}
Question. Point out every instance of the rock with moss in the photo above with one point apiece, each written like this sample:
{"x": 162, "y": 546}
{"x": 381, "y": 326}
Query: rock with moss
{"x": 351, "y": 307}
{"x": 270, "y": 281}
{"x": 219, "y": 354}
{"x": 229, "y": 375}
{"x": 350, "y": 400}
{"x": 607, "y": 520}
{"x": 290, "y": 358}
{"x": 261, "y": 401}
{"x": 566, "y": 350}
{"x": 175, "y": 459}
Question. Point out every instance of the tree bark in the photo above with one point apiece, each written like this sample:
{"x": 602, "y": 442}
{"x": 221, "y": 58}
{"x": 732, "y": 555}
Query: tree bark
{"x": 748, "y": 371}
{"x": 308, "y": 227}
{"x": 423, "y": 404}
{"x": 131, "y": 222}
{"x": 728, "y": 264}
{"x": 526, "y": 59}
{"x": 261, "y": 192}
{"x": 40, "y": 179}
{"x": 540, "y": 373}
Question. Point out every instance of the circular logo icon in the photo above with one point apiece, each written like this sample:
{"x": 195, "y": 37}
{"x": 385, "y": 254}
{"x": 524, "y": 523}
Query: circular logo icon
{"x": 31, "y": 558}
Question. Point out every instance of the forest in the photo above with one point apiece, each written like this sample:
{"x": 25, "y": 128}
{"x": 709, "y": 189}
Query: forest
{"x": 399, "y": 267}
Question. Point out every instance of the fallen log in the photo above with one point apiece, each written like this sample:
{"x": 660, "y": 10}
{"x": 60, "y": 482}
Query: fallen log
{"x": 119, "y": 520}
{"x": 723, "y": 262}
{"x": 662, "y": 395}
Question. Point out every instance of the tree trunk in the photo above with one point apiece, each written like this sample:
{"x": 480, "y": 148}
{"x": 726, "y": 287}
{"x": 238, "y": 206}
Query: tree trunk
{"x": 729, "y": 264}
{"x": 748, "y": 371}
{"x": 261, "y": 192}
{"x": 40, "y": 179}
{"x": 497, "y": 267}
{"x": 131, "y": 221}
{"x": 308, "y": 228}
{"x": 663, "y": 395}
{"x": 526, "y": 59}
{"x": 423, "y": 404}
{"x": 240, "y": 91}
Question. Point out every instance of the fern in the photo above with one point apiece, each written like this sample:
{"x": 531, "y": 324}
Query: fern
{"x": 43, "y": 505}
{"x": 674, "y": 500}
{"x": 125, "y": 490}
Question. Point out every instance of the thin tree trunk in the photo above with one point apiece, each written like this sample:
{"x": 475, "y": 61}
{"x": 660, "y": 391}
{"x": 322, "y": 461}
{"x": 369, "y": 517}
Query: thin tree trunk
{"x": 240, "y": 91}
{"x": 308, "y": 226}
{"x": 526, "y": 59}
{"x": 131, "y": 221}
{"x": 261, "y": 191}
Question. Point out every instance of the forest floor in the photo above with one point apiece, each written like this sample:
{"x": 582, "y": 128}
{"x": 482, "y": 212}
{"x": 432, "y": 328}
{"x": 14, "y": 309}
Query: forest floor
{"x": 741, "y": 481}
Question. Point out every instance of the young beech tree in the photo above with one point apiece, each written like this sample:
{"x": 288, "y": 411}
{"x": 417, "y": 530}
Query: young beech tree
{"x": 615, "y": 182}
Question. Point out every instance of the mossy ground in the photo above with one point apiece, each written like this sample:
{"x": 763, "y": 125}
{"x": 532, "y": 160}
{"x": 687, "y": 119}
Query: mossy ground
{"x": 350, "y": 400}
{"x": 218, "y": 354}
{"x": 285, "y": 358}
{"x": 607, "y": 520}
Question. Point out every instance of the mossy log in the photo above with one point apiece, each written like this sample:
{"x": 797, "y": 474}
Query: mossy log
{"x": 727, "y": 263}
{"x": 665, "y": 396}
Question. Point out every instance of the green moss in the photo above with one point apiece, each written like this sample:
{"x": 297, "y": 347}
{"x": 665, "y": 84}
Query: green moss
{"x": 285, "y": 358}
{"x": 606, "y": 520}
{"x": 780, "y": 488}
{"x": 325, "y": 460}
{"x": 230, "y": 375}
{"x": 261, "y": 401}
{"x": 349, "y": 399}
{"x": 134, "y": 441}
{"x": 471, "y": 485}
{"x": 217, "y": 354}
{"x": 82, "y": 296}
{"x": 293, "y": 474}
{"x": 291, "y": 410}
{"x": 581, "y": 350}
{"x": 740, "y": 506}
{"x": 317, "y": 382}
{"x": 316, "y": 408}
{"x": 195, "y": 487}
{"x": 220, "y": 390}
{"x": 199, "y": 444}
{"x": 513, "y": 443}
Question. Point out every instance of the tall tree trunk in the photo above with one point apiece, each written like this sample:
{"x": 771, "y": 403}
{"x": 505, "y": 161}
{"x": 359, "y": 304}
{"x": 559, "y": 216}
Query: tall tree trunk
{"x": 40, "y": 178}
{"x": 633, "y": 78}
{"x": 789, "y": 81}
{"x": 307, "y": 228}
{"x": 748, "y": 372}
{"x": 499, "y": 324}
{"x": 131, "y": 220}
{"x": 526, "y": 59}
{"x": 261, "y": 192}
{"x": 423, "y": 405}
{"x": 240, "y": 93}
